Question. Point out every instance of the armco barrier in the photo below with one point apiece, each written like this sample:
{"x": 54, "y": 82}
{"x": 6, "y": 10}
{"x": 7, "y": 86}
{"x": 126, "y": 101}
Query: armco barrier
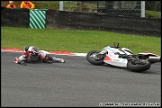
{"x": 15, "y": 17}
{"x": 76, "y": 20}
{"x": 38, "y": 18}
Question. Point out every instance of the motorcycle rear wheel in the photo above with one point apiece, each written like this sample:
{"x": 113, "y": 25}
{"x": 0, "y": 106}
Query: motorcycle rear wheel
{"x": 139, "y": 67}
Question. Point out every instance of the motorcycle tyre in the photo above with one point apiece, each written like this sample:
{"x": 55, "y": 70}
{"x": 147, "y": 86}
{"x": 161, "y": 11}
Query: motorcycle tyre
{"x": 93, "y": 61}
{"x": 138, "y": 67}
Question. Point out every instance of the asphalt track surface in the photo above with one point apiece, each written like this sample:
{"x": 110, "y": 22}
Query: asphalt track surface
{"x": 76, "y": 83}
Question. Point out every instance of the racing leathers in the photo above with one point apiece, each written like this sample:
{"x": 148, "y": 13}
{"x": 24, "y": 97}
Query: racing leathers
{"x": 32, "y": 54}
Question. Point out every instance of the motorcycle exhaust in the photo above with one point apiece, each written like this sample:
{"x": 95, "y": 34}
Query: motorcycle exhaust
{"x": 154, "y": 59}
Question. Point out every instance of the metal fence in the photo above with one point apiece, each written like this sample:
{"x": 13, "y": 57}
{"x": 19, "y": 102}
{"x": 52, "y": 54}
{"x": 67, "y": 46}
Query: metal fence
{"x": 153, "y": 5}
{"x": 126, "y": 8}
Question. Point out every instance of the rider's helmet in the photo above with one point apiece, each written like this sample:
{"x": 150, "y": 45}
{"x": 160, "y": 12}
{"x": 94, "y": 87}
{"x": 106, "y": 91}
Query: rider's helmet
{"x": 26, "y": 48}
{"x": 33, "y": 50}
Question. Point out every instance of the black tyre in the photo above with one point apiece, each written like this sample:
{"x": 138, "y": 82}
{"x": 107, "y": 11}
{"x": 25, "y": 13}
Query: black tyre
{"x": 93, "y": 60}
{"x": 139, "y": 67}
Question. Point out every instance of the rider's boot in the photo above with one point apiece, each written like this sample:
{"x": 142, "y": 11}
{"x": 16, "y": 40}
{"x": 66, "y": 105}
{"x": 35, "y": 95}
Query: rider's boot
{"x": 61, "y": 60}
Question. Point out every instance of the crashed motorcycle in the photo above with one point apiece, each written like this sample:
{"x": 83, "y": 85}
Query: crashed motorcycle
{"x": 123, "y": 57}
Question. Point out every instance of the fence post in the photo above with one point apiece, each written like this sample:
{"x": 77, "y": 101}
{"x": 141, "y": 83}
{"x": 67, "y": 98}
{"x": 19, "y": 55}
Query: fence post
{"x": 142, "y": 8}
{"x": 61, "y": 5}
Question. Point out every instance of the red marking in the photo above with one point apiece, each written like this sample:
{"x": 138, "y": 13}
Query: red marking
{"x": 150, "y": 53}
{"x": 11, "y": 49}
{"x": 41, "y": 57}
{"x": 147, "y": 52}
{"x": 107, "y": 58}
{"x": 60, "y": 52}
{"x": 47, "y": 57}
{"x": 26, "y": 54}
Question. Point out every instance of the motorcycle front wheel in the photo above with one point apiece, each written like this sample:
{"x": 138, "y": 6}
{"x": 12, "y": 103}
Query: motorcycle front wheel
{"x": 91, "y": 58}
{"x": 139, "y": 67}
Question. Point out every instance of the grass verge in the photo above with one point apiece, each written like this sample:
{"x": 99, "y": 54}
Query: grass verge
{"x": 81, "y": 41}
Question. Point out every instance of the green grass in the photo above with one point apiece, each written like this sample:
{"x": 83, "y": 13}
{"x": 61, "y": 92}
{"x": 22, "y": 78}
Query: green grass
{"x": 153, "y": 14}
{"x": 81, "y": 41}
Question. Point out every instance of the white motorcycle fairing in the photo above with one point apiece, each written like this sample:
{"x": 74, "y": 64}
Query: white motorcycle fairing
{"x": 112, "y": 57}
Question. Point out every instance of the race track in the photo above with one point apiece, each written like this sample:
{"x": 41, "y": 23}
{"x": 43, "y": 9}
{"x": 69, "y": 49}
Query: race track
{"x": 76, "y": 83}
